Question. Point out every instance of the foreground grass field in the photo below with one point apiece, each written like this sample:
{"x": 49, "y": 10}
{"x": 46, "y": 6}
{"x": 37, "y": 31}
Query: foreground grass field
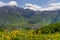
{"x": 27, "y": 35}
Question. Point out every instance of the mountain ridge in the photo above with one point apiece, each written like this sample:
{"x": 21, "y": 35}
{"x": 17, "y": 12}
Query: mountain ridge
{"x": 27, "y": 18}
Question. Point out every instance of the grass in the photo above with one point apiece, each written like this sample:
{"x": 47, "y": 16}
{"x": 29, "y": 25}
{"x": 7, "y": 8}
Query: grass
{"x": 27, "y": 35}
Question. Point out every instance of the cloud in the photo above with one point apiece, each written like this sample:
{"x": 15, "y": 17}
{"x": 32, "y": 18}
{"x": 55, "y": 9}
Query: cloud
{"x": 50, "y": 7}
{"x": 2, "y": 4}
{"x": 12, "y": 3}
{"x": 53, "y": 6}
{"x": 32, "y": 7}
{"x": 52, "y": 1}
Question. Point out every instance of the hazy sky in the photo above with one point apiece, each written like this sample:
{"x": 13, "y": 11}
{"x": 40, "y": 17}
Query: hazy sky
{"x": 42, "y": 3}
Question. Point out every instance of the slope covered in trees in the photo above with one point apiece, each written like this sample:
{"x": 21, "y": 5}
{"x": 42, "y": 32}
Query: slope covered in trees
{"x": 52, "y": 28}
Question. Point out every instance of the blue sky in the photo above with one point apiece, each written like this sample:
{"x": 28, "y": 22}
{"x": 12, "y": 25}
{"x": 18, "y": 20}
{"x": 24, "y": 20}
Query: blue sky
{"x": 42, "y": 3}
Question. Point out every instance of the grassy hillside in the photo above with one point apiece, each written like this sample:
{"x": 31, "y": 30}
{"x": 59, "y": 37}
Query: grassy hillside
{"x": 52, "y": 28}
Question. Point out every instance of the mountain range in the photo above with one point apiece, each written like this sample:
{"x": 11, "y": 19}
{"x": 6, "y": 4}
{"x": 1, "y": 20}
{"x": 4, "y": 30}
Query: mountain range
{"x": 26, "y": 18}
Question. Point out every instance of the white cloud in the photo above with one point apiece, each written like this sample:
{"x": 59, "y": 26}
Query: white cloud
{"x": 12, "y": 3}
{"x": 2, "y": 4}
{"x": 32, "y": 7}
{"x": 52, "y": 6}
{"x": 52, "y": 1}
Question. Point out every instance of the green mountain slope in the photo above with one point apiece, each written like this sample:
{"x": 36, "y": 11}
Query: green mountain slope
{"x": 52, "y": 28}
{"x": 26, "y": 18}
